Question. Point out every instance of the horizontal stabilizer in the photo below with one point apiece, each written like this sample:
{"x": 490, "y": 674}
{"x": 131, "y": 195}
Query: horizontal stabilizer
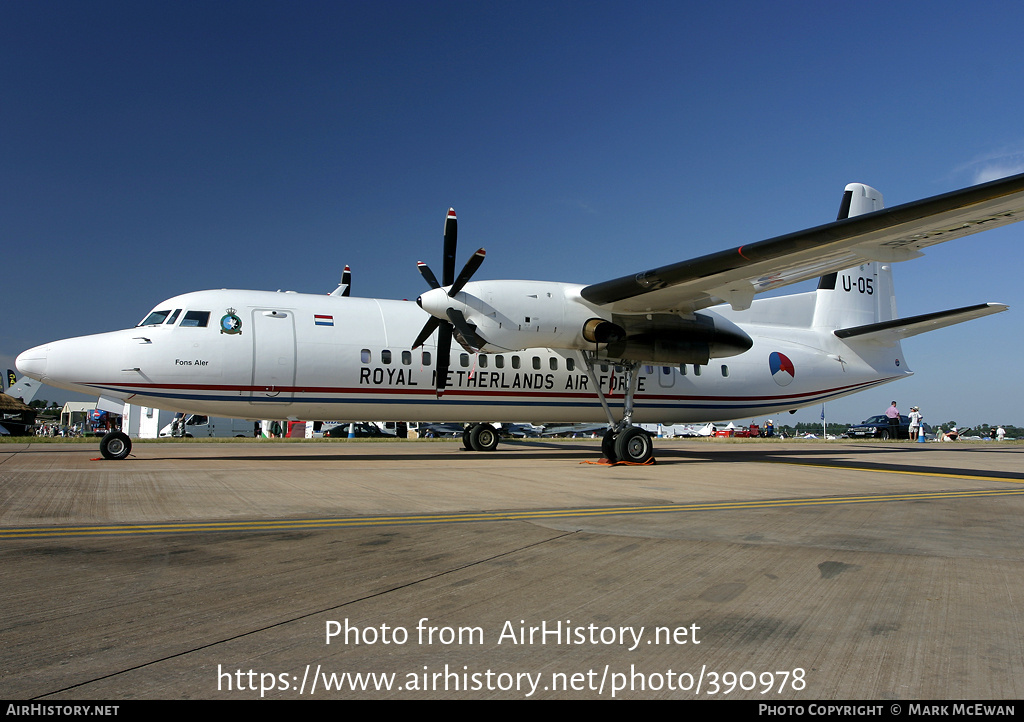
{"x": 889, "y": 332}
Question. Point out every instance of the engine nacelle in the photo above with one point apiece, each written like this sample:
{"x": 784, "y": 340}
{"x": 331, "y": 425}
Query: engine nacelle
{"x": 598, "y": 331}
{"x": 671, "y": 339}
{"x": 514, "y": 315}
{"x": 660, "y": 351}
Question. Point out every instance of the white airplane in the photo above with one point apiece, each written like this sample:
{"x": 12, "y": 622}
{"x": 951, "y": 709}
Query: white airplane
{"x": 683, "y": 343}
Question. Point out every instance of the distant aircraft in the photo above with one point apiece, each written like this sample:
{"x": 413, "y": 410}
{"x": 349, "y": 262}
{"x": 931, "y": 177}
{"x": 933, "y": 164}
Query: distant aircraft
{"x": 23, "y": 388}
{"x": 550, "y": 351}
{"x": 581, "y": 429}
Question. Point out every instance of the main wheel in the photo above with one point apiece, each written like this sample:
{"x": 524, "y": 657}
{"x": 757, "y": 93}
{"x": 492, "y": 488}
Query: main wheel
{"x": 466, "y": 434}
{"x": 608, "y": 446}
{"x": 484, "y": 437}
{"x": 634, "y": 445}
{"x": 115, "y": 446}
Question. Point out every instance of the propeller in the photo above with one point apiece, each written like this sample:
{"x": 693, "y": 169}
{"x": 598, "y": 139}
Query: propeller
{"x": 464, "y": 332}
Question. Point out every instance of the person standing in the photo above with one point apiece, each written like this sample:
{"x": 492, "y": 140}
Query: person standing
{"x": 915, "y": 417}
{"x": 893, "y": 414}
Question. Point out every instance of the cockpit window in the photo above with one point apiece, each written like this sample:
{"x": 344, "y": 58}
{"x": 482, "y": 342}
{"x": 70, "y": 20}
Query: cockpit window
{"x": 195, "y": 318}
{"x": 155, "y": 318}
{"x": 174, "y": 317}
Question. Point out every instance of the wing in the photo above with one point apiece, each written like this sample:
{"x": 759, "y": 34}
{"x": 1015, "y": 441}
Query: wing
{"x": 891, "y": 234}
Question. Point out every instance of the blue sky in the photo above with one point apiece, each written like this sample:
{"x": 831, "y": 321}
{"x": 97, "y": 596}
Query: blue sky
{"x": 152, "y": 148}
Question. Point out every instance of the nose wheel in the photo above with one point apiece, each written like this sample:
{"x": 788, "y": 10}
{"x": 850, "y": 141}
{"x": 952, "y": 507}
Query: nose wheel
{"x": 480, "y": 437}
{"x": 634, "y": 445}
{"x": 115, "y": 446}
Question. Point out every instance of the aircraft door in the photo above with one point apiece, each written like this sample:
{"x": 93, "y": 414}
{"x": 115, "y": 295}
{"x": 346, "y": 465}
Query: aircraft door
{"x": 273, "y": 363}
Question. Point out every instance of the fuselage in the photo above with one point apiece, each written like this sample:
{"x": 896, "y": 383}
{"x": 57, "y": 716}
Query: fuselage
{"x": 260, "y": 355}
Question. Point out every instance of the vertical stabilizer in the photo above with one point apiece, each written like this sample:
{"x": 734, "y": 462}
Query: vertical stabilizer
{"x": 24, "y": 388}
{"x": 863, "y": 294}
{"x": 345, "y": 287}
{"x": 859, "y": 199}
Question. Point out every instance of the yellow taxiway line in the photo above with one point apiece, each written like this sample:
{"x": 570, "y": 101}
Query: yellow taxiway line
{"x": 408, "y": 519}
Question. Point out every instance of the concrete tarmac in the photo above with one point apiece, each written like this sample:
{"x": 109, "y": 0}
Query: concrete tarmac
{"x": 774, "y": 571}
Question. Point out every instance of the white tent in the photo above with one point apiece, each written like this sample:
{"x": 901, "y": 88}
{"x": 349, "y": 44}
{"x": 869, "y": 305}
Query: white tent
{"x": 75, "y": 412}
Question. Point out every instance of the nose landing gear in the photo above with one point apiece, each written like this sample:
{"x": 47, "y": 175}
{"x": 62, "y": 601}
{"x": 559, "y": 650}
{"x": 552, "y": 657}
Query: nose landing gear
{"x": 480, "y": 437}
{"x": 115, "y": 446}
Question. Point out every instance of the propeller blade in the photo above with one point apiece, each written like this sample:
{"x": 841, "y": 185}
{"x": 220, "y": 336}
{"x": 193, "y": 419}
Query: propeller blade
{"x": 465, "y": 332}
{"x": 428, "y": 328}
{"x": 467, "y": 271}
{"x": 444, "y": 348}
{"x": 427, "y": 274}
{"x": 451, "y": 234}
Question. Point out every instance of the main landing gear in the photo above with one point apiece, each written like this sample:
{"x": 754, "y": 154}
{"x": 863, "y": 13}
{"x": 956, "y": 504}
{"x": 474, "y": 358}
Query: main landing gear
{"x": 622, "y": 441}
{"x": 480, "y": 437}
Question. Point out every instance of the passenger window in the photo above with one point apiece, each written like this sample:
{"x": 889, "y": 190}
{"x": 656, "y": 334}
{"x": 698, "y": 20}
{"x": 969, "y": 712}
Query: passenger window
{"x": 515, "y": 362}
{"x": 648, "y": 370}
{"x": 364, "y": 355}
{"x": 696, "y": 369}
{"x": 426, "y": 358}
{"x": 570, "y": 364}
{"x": 406, "y": 358}
{"x": 195, "y": 319}
{"x": 482, "y": 359}
{"x": 682, "y": 369}
{"x": 385, "y": 356}
{"x": 604, "y": 368}
{"x": 553, "y": 363}
{"x": 725, "y": 370}
{"x": 499, "y": 362}
{"x": 536, "y": 363}
{"x": 464, "y": 360}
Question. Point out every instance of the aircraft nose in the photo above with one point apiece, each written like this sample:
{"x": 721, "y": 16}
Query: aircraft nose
{"x": 33, "y": 362}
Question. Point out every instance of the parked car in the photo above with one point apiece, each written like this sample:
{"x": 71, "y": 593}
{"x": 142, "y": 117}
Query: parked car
{"x": 877, "y": 427}
{"x": 362, "y": 430}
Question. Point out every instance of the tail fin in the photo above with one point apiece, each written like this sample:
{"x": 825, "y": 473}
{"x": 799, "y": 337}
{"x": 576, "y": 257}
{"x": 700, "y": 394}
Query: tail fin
{"x": 345, "y": 287}
{"x": 24, "y": 388}
{"x": 861, "y": 295}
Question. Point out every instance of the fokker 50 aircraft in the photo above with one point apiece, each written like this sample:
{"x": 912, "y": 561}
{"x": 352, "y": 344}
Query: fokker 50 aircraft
{"x": 682, "y": 343}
